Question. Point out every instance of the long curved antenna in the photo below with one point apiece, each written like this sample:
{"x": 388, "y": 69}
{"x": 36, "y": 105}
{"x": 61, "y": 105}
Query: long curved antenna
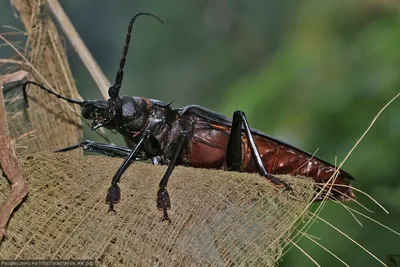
{"x": 25, "y": 84}
{"x": 114, "y": 90}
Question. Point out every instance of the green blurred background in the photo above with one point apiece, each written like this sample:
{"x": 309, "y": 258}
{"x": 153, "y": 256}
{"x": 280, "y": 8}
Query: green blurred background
{"x": 313, "y": 73}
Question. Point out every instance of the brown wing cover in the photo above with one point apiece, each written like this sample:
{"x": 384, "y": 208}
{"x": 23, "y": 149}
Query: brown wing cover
{"x": 207, "y": 149}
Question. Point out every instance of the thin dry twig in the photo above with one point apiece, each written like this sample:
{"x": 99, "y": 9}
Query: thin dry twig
{"x": 305, "y": 253}
{"x": 11, "y": 61}
{"x": 79, "y": 46}
{"x": 348, "y": 237}
{"x": 10, "y": 167}
{"x": 13, "y": 77}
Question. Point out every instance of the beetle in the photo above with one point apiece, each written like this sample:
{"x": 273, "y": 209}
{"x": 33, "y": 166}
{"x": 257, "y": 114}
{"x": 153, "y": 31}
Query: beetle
{"x": 192, "y": 136}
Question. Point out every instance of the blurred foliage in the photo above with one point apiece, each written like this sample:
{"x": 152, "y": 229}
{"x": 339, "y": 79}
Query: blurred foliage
{"x": 314, "y": 73}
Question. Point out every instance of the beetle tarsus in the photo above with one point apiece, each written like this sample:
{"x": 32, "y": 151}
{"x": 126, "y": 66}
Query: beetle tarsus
{"x": 111, "y": 209}
{"x": 164, "y": 203}
{"x": 278, "y": 182}
{"x": 113, "y": 196}
{"x": 165, "y": 216}
{"x": 163, "y": 200}
{"x": 288, "y": 187}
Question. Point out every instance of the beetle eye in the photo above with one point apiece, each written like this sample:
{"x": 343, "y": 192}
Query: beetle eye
{"x": 128, "y": 109}
{"x": 87, "y": 111}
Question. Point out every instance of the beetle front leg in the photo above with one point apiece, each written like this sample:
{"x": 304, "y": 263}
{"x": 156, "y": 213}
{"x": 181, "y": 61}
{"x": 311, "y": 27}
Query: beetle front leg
{"x": 101, "y": 148}
{"x": 114, "y": 193}
{"x": 163, "y": 200}
{"x": 234, "y": 153}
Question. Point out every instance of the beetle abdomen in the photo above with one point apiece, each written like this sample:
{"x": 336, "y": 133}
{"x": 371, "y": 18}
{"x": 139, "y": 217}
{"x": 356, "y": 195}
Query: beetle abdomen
{"x": 280, "y": 159}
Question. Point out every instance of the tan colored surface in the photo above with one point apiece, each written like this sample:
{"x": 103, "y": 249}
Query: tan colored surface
{"x": 218, "y": 218}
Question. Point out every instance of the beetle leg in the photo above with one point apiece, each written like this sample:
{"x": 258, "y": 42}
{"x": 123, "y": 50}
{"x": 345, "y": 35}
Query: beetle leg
{"x": 163, "y": 200}
{"x": 234, "y": 154}
{"x": 102, "y": 148}
{"x": 234, "y": 149}
{"x": 114, "y": 192}
{"x": 156, "y": 160}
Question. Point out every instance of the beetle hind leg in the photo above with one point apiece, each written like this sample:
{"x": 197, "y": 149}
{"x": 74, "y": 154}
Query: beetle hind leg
{"x": 163, "y": 199}
{"x": 234, "y": 150}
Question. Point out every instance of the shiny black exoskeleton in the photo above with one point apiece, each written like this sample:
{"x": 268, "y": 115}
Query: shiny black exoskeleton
{"x": 193, "y": 136}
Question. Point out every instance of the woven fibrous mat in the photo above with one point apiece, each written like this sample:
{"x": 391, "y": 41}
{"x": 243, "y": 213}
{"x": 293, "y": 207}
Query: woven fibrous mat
{"x": 49, "y": 122}
{"x": 218, "y": 218}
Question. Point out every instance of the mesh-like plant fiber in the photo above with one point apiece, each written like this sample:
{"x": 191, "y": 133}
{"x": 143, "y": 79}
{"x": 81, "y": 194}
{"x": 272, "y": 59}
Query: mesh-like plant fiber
{"x": 52, "y": 122}
{"x": 218, "y": 218}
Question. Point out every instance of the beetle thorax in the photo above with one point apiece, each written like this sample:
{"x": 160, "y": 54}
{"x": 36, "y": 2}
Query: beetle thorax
{"x": 134, "y": 114}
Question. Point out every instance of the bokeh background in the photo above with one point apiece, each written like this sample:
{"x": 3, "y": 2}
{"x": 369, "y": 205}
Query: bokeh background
{"x": 313, "y": 73}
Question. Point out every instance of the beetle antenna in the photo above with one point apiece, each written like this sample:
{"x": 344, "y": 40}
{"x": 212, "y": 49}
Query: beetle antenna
{"x": 114, "y": 90}
{"x": 69, "y": 100}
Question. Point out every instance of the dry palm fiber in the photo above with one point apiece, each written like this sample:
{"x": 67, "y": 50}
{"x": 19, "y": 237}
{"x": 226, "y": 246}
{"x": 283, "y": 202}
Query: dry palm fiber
{"x": 218, "y": 218}
{"x": 52, "y": 122}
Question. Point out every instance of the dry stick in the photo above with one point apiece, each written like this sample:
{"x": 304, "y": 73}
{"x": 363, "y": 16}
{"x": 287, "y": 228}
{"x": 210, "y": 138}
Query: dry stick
{"x": 13, "y": 77}
{"x": 10, "y": 167}
{"x": 19, "y": 32}
{"x": 305, "y": 253}
{"x": 79, "y": 46}
{"x": 375, "y": 221}
{"x": 11, "y": 61}
{"x": 324, "y": 248}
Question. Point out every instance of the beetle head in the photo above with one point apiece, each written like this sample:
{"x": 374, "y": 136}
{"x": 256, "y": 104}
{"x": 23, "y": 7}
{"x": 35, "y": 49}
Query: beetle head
{"x": 108, "y": 113}
{"x": 101, "y": 112}
{"x": 132, "y": 112}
